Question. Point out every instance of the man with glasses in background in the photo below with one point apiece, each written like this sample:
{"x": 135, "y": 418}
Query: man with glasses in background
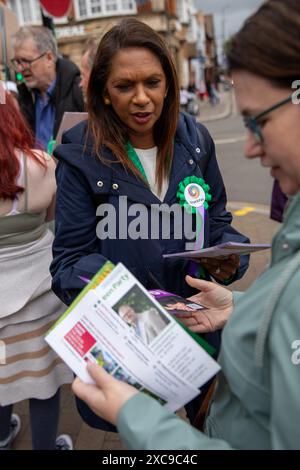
{"x": 50, "y": 83}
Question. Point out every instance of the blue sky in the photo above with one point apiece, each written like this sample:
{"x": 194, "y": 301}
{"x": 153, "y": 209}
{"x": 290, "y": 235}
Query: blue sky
{"x": 229, "y": 14}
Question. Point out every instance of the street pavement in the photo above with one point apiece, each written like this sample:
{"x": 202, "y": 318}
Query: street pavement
{"x": 245, "y": 180}
{"x": 250, "y": 216}
{"x": 222, "y": 110}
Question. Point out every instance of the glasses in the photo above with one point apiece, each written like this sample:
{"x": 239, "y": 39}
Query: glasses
{"x": 25, "y": 63}
{"x": 252, "y": 122}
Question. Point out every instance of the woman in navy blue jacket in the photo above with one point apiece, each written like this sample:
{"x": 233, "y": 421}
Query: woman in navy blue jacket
{"x": 115, "y": 171}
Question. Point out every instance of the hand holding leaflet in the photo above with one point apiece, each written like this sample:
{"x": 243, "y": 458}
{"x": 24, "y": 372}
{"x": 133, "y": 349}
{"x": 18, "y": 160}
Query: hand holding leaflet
{"x": 218, "y": 302}
{"x": 107, "y": 397}
{"x": 174, "y": 304}
{"x": 221, "y": 269}
{"x": 146, "y": 348}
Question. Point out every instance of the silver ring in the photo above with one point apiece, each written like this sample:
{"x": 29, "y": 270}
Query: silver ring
{"x": 217, "y": 271}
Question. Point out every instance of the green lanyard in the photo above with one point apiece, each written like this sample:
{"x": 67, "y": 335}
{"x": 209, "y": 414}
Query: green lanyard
{"x": 133, "y": 156}
{"x": 50, "y": 146}
{"x": 135, "y": 160}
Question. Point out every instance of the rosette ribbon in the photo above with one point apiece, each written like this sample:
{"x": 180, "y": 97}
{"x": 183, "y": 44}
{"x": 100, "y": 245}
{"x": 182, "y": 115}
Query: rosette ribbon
{"x": 194, "y": 196}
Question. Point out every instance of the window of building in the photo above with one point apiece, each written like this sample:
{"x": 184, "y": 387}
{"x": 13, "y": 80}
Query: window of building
{"x": 182, "y": 11}
{"x": 128, "y": 4}
{"x": 27, "y": 11}
{"x": 111, "y": 5}
{"x": 82, "y": 8}
{"x": 13, "y": 6}
{"x": 96, "y": 6}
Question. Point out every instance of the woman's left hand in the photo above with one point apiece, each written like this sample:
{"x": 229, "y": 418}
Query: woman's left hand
{"x": 107, "y": 397}
{"x": 218, "y": 302}
{"x": 221, "y": 269}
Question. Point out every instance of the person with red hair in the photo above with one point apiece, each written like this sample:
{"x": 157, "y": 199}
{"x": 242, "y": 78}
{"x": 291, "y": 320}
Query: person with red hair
{"x": 29, "y": 369}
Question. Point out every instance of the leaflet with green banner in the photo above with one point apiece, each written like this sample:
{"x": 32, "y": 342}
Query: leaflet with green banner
{"x": 118, "y": 324}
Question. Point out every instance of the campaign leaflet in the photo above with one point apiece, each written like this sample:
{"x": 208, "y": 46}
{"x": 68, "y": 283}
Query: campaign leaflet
{"x": 175, "y": 304}
{"x": 223, "y": 250}
{"x": 118, "y": 324}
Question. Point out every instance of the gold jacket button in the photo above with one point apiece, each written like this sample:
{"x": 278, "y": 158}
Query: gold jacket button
{"x": 115, "y": 186}
{"x": 100, "y": 184}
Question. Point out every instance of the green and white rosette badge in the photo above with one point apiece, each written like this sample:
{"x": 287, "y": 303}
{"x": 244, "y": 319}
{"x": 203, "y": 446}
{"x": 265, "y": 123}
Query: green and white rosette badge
{"x": 193, "y": 195}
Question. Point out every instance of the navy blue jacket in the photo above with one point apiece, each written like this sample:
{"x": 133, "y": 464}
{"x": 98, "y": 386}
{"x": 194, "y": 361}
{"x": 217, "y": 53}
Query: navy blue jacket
{"x": 84, "y": 183}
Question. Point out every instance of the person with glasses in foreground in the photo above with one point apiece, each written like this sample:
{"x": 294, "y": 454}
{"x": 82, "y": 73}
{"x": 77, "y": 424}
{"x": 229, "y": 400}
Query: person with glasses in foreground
{"x": 51, "y": 84}
{"x": 256, "y": 404}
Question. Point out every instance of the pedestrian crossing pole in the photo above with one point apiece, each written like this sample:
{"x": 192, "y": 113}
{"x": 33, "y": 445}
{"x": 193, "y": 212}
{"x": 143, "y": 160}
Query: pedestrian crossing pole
{"x": 48, "y": 22}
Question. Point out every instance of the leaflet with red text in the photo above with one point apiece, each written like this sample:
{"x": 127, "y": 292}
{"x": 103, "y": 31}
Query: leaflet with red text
{"x": 119, "y": 325}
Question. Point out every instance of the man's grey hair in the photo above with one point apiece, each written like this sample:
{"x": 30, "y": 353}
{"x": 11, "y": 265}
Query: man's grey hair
{"x": 42, "y": 37}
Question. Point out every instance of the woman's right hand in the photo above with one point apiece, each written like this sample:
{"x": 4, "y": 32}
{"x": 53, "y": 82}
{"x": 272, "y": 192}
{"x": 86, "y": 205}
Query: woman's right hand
{"x": 107, "y": 397}
{"x": 218, "y": 302}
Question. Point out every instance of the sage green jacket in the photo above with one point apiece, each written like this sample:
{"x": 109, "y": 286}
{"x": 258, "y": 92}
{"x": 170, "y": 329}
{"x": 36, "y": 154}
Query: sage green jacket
{"x": 257, "y": 401}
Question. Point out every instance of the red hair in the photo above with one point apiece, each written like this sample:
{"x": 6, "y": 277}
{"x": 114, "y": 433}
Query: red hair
{"x": 15, "y": 134}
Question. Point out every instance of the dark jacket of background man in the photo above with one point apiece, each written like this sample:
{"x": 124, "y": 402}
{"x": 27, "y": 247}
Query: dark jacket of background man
{"x": 67, "y": 94}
